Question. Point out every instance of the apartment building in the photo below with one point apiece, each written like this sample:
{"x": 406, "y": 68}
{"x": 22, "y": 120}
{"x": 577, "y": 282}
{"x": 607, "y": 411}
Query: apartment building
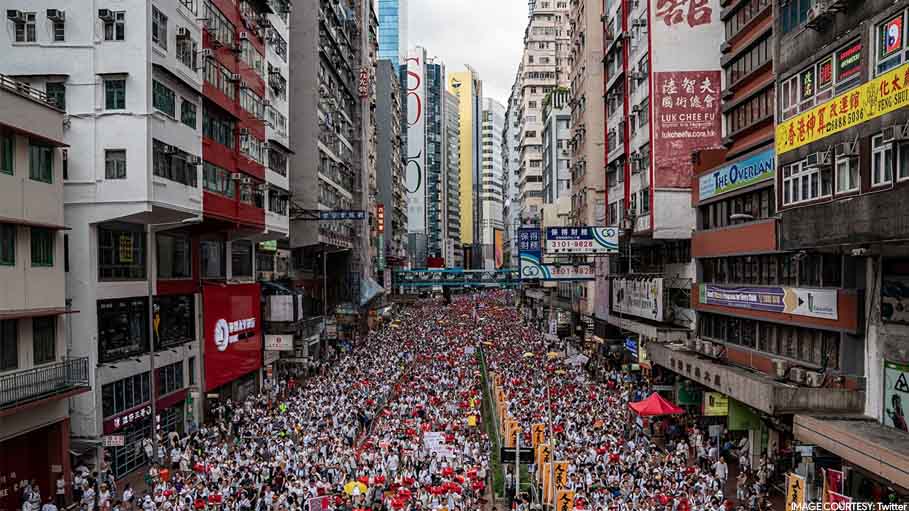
{"x": 390, "y": 163}
{"x": 512, "y": 168}
{"x": 468, "y": 88}
{"x": 451, "y": 181}
{"x": 38, "y": 374}
{"x": 393, "y": 30}
{"x": 491, "y": 185}
{"x": 556, "y": 139}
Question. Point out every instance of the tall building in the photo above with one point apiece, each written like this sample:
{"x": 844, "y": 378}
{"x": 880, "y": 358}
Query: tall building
{"x": 588, "y": 126}
{"x": 511, "y": 163}
{"x": 38, "y": 372}
{"x": 173, "y": 172}
{"x": 492, "y": 185}
{"x": 544, "y": 66}
{"x": 435, "y": 160}
{"x": 393, "y": 30}
{"x": 451, "y": 181}
{"x": 556, "y": 138}
{"x": 390, "y": 162}
{"x": 468, "y": 87}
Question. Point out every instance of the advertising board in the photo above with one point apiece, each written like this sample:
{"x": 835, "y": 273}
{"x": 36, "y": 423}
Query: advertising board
{"x": 232, "y": 332}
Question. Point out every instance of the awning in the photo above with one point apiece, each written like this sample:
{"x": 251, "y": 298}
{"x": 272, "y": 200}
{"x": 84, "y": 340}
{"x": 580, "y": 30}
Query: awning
{"x": 33, "y": 313}
{"x": 32, "y": 223}
{"x": 861, "y": 441}
{"x": 655, "y": 405}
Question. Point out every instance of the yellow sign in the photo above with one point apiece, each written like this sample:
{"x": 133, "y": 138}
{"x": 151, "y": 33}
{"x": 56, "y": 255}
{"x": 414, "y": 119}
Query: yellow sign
{"x": 472, "y": 420}
{"x": 512, "y": 429}
{"x": 565, "y": 500}
{"x": 560, "y": 470}
{"x": 541, "y": 457}
{"x": 126, "y": 248}
{"x": 879, "y": 96}
{"x": 716, "y": 404}
{"x": 795, "y": 492}
{"x": 537, "y": 434}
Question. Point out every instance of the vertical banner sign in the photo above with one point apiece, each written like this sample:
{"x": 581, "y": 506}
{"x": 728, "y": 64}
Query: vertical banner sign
{"x": 565, "y": 500}
{"x": 537, "y": 434}
{"x": 685, "y": 87}
{"x": 416, "y": 141}
{"x": 380, "y": 228}
{"x": 499, "y": 237}
{"x": 896, "y": 395}
{"x": 795, "y": 492}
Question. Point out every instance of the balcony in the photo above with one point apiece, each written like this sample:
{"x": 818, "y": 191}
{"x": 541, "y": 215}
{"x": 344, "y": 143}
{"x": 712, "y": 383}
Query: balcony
{"x": 54, "y": 381}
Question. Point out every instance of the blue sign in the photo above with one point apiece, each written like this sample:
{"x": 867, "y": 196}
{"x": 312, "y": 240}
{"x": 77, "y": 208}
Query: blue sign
{"x": 739, "y": 174}
{"x": 631, "y": 345}
{"x": 342, "y": 214}
{"x": 532, "y": 267}
{"x": 582, "y": 240}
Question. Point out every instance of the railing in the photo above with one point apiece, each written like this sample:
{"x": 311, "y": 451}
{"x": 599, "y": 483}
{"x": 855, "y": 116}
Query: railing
{"x": 42, "y": 382}
{"x": 24, "y": 89}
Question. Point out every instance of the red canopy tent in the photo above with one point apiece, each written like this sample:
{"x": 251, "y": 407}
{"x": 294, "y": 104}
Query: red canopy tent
{"x": 655, "y": 405}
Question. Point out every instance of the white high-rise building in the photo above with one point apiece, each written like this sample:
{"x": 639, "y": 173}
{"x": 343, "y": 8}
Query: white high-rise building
{"x": 492, "y": 184}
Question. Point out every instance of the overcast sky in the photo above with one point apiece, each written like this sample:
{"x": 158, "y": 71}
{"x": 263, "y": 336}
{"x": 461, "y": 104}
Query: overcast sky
{"x": 487, "y": 34}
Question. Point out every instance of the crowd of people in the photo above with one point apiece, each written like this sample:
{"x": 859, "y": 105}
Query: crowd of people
{"x": 396, "y": 424}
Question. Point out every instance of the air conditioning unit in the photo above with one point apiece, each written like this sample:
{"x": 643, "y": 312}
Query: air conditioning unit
{"x": 725, "y": 47}
{"x": 56, "y": 15}
{"x": 262, "y": 187}
{"x": 819, "y": 159}
{"x": 106, "y": 14}
{"x": 818, "y": 11}
{"x": 236, "y": 176}
{"x": 183, "y": 32}
{"x": 717, "y": 351}
{"x": 797, "y": 375}
{"x": 266, "y": 102}
{"x": 779, "y": 368}
{"x": 814, "y": 379}
{"x": 15, "y": 16}
{"x": 895, "y": 133}
{"x": 244, "y": 132}
{"x": 207, "y": 53}
{"x": 243, "y": 36}
{"x": 246, "y": 181}
{"x": 846, "y": 149}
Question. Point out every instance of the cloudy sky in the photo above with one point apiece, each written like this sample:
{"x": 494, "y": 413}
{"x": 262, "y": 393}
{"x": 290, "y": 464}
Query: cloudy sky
{"x": 487, "y": 34}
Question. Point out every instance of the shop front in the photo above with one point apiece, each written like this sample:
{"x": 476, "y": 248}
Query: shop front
{"x": 233, "y": 346}
{"x": 41, "y": 454}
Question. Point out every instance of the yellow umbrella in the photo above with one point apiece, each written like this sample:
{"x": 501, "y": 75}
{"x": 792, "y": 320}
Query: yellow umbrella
{"x": 553, "y": 354}
{"x": 355, "y": 488}
{"x": 528, "y": 355}
{"x": 487, "y": 343}
{"x": 560, "y": 371}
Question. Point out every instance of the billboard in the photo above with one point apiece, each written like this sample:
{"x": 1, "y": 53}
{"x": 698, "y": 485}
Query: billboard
{"x": 415, "y": 178}
{"x": 532, "y": 266}
{"x": 283, "y": 342}
{"x": 686, "y": 86}
{"x": 739, "y": 174}
{"x": 812, "y": 303}
{"x": 582, "y": 240}
{"x": 896, "y": 394}
{"x": 499, "y": 247}
{"x": 232, "y": 332}
{"x": 638, "y": 297}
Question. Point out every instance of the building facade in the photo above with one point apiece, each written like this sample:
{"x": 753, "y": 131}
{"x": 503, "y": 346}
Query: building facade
{"x": 468, "y": 88}
{"x": 392, "y": 30}
{"x": 451, "y": 181}
{"x": 556, "y": 138}
{"x": 37, "y": 373}
{"x": 390, "y": 162}
{"x": 512, "y": 168}
{"x": 492, "y": 185}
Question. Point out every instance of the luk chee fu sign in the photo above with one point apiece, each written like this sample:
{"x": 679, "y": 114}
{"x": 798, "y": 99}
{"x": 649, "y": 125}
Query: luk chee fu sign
{"x": 233, "y": 336}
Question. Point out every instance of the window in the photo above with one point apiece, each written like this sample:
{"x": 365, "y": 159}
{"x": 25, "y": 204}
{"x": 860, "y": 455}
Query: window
{"x": 251, "y": 102}
{"x": 881, "y": 161}
{"x": 218, "y": 127}
{"x": 59, "y": 28}
{"x": 115, "y": 164}
{"x": 890, "y": 43}
{"x": 174, "y": 164}
{"x": 7, "y": 153}
{"x": 170, "y": 378}
{"x": 217, "y": 25}
{"x": 192, "y": 370}
{"x": 159, "y": 28}
{"x": 847, "y": 176}
{"x": 42, "y": 247}
{"x": 40, "y": 163}
{"x": 251, "y": 56}
{"x": 189, "y": 4}
{"x": 121, "y": 252}
{"x": 9, "y": 345}
{"x": 174, "y": 256}
{"x": 124, "y": 394}
{"x": 7, "y": 245}
{"x": 56, "y": 94}
{"x": 44, "y": 339}
{"x": 278, "y": 44}
{"x": 277, "y": 161}
{"x": 747, "y": 11}
{"x": 25, "y": 28}
{"x": 218, "y": 180}
{"x": 66, "y": 252}
{"x": 749, "y": 60}
{"x": 803, "y": 183}
{"x": 164, "y": 99}
{"x": 277, "y": 202}
{"x": 793, "y": 14}
{"x": 903, "y": 165}
{"x": 174, "y": 320}
{"x": 213, "y": 258}
{"x": 115, "y": 94}
{"x": 187, "y": 49}
{"x": 115, "y": 27}
{"x": 241, "y": 255}
{"x": 750, "y": 111}
{"x": 122, "y": 329}
{"x": 188, "y": 113}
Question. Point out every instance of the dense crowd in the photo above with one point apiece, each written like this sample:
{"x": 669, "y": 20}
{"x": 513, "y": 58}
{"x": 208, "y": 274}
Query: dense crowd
{"x": 395, "y": 424}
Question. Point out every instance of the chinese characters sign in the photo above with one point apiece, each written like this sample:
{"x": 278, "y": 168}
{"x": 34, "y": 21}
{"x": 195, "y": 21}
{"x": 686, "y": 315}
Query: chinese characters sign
{"x": 686, "y": 119}
{"x": 875, "y": 98}
{"x": 690, "y": 12}
{"x": 582, "y": 240}
{"x": 342, "y": 214}
{"x": 532, "y": 266}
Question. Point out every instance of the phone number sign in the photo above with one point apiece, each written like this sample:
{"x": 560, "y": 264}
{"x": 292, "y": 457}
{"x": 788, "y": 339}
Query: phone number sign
{"x": 582, "y": 240}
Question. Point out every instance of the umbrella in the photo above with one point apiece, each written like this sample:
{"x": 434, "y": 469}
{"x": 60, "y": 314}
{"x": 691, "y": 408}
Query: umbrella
{"x": 528, "y": 354}
{"x": 553, "y": 355}
{"x": 354, "y": 488}
{"x": 655, "y": 405}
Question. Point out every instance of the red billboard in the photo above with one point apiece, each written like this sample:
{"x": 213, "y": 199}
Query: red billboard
{"x": 232, "y": 332}
{"x": 686, "y": 118}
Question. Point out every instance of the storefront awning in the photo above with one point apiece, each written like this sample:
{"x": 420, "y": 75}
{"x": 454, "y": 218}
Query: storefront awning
{"x": 860, "y": 441}
{"x": 33, "y": 313}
